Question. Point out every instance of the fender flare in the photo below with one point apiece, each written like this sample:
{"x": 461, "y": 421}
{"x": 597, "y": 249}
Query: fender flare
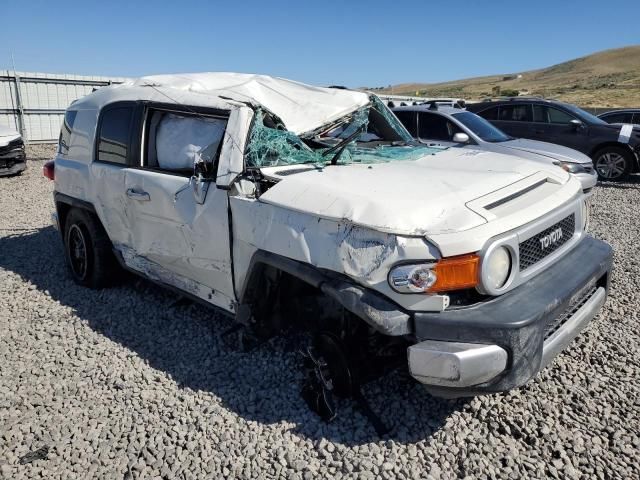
{"x": 379, "y": 312}
{"x": 64, "y": 203}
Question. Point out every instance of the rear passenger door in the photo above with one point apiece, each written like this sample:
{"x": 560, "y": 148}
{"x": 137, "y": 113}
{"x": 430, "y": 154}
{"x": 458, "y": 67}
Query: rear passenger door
{"x": 516, "y": 120}
{"x": 179, "y": 237}
{"x": 114, "y": 151}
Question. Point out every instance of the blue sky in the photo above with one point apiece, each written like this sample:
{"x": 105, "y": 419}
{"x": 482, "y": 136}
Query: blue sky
{"x": 355, "y": 43}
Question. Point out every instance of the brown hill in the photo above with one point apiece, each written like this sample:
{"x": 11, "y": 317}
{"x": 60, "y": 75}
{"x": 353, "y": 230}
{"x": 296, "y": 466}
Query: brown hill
{"x": 610, "y": 78}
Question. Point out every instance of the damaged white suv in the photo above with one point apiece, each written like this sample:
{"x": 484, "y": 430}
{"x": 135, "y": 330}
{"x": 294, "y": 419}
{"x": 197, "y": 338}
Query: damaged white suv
{"x": 287, "y": 205}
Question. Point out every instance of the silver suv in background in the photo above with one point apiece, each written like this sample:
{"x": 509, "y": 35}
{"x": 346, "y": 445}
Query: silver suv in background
{"x": 436, "y": 124}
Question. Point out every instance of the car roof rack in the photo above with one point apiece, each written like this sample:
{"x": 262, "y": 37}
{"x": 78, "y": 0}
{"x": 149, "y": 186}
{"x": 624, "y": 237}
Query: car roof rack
{"x": 433, "y": 104}
{"x": 526, "y": 97}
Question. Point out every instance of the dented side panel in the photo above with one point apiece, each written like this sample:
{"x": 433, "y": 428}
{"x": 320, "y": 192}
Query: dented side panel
{"x": 172, "y": 230}
{"x": 363, "y": 254}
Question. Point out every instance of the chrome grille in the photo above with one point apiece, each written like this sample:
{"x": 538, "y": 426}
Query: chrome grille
{"x": 554, "y": 325}
{"x": 532, "y": 250}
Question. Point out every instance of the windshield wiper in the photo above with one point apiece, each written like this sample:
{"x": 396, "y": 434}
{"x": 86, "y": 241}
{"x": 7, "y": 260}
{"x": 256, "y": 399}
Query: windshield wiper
{"x": 342, "y": 145}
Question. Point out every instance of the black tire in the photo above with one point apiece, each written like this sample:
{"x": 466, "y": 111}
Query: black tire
{"x": 88, "y": 250}
{"x": 613, "y": 163}
{"x": 332, "y": 350}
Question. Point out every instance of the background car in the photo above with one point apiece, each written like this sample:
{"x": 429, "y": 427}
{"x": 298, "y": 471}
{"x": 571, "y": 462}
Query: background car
{"x": 13, "y": 159}
{"x": 627, "y": 115}
{"x": 444, "y": 125}
{"x": 614, "y": 149}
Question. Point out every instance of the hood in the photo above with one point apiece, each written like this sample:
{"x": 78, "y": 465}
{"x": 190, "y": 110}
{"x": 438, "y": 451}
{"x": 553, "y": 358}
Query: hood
{"x": 301, "y": 107}
{"x": 550, "y": 150}
{"x": 7, "y": 135}
{"x": 419, "y": 197}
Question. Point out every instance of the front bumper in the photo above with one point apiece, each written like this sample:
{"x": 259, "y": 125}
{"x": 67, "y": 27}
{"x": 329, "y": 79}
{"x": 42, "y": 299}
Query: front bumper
{"x": 588, "y": 180}
{"x": 13, "y": 159}
{"x": 502, "y": 343}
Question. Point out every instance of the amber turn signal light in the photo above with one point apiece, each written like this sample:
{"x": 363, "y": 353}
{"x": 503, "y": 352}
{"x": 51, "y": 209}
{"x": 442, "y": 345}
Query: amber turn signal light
{"x": 456, "y": 273}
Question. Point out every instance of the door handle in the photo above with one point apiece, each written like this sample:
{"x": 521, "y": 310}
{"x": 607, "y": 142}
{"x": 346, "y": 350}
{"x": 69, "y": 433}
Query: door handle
{"x": 539, "y": 132}
{"x": 140, "y": 196}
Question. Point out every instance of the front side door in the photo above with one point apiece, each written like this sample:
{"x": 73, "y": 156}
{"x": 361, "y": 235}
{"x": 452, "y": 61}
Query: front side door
{"x": 179, "y": 236}
{"x": 434, "y": 129}
{"x": 560, "y": 130}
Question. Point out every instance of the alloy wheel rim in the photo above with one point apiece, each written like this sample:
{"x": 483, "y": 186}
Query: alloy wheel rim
{"x": 610, "y": 165}
{"x": 77, "y": 251}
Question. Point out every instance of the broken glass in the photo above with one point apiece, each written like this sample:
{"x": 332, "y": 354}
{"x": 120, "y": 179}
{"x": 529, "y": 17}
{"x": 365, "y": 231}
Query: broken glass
{"x": 272, "y": 147}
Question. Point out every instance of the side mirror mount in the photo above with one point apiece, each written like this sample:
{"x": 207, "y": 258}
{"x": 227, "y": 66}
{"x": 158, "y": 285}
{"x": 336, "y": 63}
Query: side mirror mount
{"x": 461, "y": 138}
{"x": 201, "y": 178}
{"x": 200, "y": 187}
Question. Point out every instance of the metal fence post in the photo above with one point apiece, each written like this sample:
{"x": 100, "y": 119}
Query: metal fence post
{"x": 21, "y": 124}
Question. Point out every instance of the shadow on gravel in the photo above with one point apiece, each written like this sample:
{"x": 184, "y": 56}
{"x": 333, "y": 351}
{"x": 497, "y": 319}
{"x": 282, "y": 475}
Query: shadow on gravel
{"x": 633, "y": 182}
{"x": 183, "y": 339}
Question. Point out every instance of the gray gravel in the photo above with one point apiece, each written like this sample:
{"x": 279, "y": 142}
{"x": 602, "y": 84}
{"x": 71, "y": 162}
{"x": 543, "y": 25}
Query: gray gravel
{"x": 129, "y": 383}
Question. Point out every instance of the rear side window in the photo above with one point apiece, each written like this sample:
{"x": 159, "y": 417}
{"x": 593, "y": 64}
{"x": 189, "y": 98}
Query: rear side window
{"x": 540, "y": 114}
{"x": 114, "y": 135}
{"x": 515, "y": 113}
{"x": 408, "y": 119}
{"x": 489, "y": 113}
{"x": 618, "y": 118}
{"x": 64, "y": 142}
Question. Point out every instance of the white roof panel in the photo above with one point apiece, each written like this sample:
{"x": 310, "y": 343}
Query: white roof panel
{"x": 301, "y": 107}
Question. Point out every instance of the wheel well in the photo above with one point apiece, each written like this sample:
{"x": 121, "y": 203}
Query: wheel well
{"x": 608, "y": 144}
{"x": 634, "y": 156}
{"x": 275, "y": 283}
{"x": 272, "y": 298}
{"x": 63, "y": 212}
{"x": 63, "y": 209}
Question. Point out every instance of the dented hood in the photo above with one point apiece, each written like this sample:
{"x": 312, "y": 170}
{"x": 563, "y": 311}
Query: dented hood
{"x": 419, "y": 197}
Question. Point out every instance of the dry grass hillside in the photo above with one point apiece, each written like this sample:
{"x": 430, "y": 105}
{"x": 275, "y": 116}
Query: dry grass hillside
{"x": 610, "y": 78}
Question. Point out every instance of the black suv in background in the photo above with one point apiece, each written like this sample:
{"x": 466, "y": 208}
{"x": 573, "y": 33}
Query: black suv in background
{"x": 615, "y": 149}
{"x": 627, "y": 115}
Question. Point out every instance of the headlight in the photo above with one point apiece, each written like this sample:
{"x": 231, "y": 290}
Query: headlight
{"x": 452, "y": 273}
{"x": 412, "y": 278}
{"x": 497, "y": 268}
{"x": 571, "y": 167}
{"x": 585, "y": 215}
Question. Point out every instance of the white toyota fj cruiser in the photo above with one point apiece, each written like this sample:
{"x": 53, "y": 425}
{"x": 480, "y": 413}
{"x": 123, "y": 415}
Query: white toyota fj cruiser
{"x": 287, "y": 205}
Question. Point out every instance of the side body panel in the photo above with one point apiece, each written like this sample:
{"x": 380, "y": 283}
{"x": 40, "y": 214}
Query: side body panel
{"x": 176, "y": 240}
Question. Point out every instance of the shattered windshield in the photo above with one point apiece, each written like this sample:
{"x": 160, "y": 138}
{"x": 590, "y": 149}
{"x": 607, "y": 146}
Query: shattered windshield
{"x": 382, "y": 138}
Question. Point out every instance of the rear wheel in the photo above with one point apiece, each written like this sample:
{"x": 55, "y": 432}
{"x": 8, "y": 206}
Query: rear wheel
{"x": 87, "y": 250}
{"x": 613, "y": 163}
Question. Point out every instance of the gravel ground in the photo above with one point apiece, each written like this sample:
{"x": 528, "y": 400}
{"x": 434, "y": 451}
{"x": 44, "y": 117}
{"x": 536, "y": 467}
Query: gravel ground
{"x": 129, "y": 382}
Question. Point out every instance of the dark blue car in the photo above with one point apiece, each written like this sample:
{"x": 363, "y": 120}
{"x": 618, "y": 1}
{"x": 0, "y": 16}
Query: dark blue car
{"x": 614, "y": 149}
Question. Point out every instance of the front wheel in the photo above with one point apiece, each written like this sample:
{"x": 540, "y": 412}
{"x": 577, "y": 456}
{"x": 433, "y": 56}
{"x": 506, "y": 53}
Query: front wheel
{"x": 613, "y": 163}
{"x": 87, "y": 250}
